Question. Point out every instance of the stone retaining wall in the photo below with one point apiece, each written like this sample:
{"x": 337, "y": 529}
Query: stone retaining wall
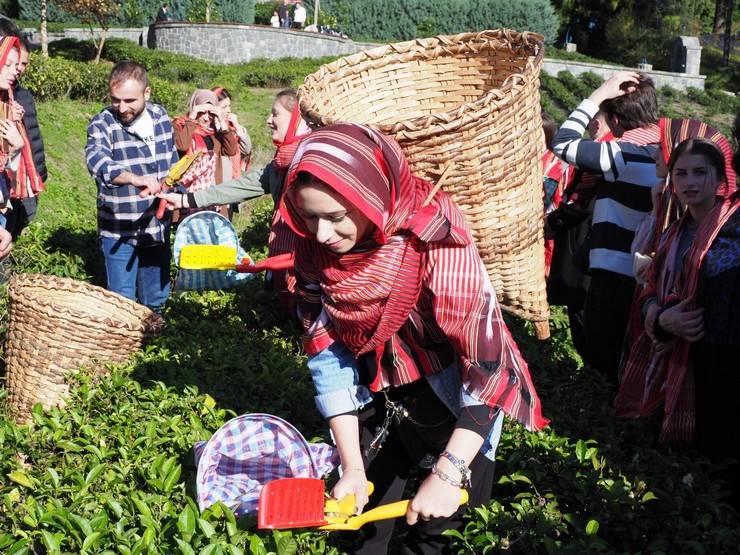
{"x": 233, "y": 43}
{"x": 680, "y": 81}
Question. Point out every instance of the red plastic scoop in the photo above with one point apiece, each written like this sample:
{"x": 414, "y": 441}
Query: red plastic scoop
{"x": 292, "y": 503}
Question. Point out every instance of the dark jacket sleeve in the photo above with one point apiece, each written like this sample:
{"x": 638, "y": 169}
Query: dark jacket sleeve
{"x": 31, "y": 122}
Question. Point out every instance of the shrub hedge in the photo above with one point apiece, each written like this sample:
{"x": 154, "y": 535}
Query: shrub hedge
{"x": 392, "y": 20}
{"x": 143, "y": 12}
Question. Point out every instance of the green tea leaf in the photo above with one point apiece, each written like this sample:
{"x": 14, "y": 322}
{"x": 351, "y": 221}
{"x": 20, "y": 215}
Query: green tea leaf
{"x": 592, "y": 526}
{"x": 50, "y": 542}
{"x": 20, "y": 477}
{"x": 94, "y": 473}
{"x": 185, "y": 549}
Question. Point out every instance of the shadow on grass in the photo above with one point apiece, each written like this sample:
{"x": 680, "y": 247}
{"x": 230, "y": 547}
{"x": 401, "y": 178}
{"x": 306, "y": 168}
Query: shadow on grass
{"x": 83, "y": 244}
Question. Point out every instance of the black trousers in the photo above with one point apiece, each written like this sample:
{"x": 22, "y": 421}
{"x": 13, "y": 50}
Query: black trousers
{"x": 398, "y": 462}
{"x": 605, "y": 317}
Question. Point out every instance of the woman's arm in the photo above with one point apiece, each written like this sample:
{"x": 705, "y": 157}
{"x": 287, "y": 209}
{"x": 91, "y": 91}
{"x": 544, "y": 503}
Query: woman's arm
{"x": 346, "y": 431}
{"x": 229, "y": 143}
{"x": 184, "y": 136}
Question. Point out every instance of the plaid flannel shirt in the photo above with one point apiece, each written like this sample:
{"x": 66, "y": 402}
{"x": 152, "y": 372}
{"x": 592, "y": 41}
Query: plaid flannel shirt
{"x": 112, "y": 149}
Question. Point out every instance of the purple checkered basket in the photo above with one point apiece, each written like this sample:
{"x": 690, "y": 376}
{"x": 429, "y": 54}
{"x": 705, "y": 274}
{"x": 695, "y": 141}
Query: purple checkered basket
{"x": 251, "y": 450}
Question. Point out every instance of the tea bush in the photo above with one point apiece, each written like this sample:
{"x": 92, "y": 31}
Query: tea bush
{"x": 113, "y": 472}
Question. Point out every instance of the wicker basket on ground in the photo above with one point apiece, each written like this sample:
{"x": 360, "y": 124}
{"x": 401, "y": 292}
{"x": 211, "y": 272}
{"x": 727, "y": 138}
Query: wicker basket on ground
{"x": 60, "y": 324}
{"x": 470, "y": 100}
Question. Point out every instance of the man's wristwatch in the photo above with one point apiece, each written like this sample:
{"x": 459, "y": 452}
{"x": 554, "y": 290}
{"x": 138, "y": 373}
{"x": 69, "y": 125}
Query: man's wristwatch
{"x": 465, "y": 473}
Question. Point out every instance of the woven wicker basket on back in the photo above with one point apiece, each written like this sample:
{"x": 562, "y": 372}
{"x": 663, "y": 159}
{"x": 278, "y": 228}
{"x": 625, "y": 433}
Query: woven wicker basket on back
{"x": 59, "y": 324}
{"x": 471, "y": 100}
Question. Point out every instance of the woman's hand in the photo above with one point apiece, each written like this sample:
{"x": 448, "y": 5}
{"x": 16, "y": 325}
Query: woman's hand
{"x": 9, "y": 132}
{"x": 17, "y": 111}
{"x": 6, "y": 243}
{"x": 652, "y": 313}
{"x": 174, "y": 200}
{"x": 353, "y": 481}
{"x": 435, "y": 499}
{"x": 682, "y": 322}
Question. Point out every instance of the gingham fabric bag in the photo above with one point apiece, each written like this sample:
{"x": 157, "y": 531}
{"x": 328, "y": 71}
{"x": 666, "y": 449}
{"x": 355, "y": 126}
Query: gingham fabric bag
{"x": 251, "y": 450}
{"x": 208, "y": 228}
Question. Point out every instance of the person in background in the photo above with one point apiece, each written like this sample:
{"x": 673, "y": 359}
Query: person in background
{"x": 275, "y": 20}
{"x": 164, "y": 13}
{"x": 626, "y": 170}
{"x": 19, "y": 178}
{"x": 411, "y": 360}
{"x": 130, "y": 149}
{"x": 568, "y": 225}
{"x": 556, "y": 176}
{"x": 284, "y": 14}
{"x": 234, "y": 166}
{"x": 288, "y": 129}
{"x": 685, "y": 359}
{"x": 24, "y": 207}
{"x": 299, "y": 15}
{"x": 205, "y": 128}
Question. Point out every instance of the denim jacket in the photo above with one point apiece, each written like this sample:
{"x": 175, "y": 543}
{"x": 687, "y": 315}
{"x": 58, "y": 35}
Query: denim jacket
{"x": 338, "y": 389}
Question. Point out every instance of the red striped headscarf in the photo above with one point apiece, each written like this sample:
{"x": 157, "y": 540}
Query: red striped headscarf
{"x": 413, "y": 297}
{"x": 27, "y": 182}
{"x": 672, "y": 133}
{"x": 282, "y": 239}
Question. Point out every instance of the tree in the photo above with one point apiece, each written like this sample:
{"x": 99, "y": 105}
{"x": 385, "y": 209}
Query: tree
{"x": 91, "y": 12}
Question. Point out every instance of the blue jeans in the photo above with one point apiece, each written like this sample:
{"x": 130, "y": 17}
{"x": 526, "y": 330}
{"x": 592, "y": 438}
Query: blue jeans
{"x": 139, "y": 273}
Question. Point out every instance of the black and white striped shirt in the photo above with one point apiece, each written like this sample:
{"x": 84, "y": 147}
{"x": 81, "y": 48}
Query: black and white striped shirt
{"x": 627, "y": 171}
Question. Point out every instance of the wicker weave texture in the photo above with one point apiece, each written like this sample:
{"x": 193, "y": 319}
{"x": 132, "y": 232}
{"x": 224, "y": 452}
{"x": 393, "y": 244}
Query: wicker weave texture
{"x": 471, "y": 100}
{"x": 60, "y": 324}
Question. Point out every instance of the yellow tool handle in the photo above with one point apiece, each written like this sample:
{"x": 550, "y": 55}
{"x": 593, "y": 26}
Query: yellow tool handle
{"x": 384, "y": 512}
{"x": 346, "y": 505}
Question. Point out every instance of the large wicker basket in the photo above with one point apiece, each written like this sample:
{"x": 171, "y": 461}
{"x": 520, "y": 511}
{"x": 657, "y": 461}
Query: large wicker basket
{"x": 59, "y": 324}
{"x": 471, "y": 100}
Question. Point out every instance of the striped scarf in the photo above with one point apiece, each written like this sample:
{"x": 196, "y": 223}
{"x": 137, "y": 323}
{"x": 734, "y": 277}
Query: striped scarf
{"x": 413, "y": 297}
{"x": 27, "y": 182}
{"x": 282, "y": 239}
{"x": 650, "y": 380}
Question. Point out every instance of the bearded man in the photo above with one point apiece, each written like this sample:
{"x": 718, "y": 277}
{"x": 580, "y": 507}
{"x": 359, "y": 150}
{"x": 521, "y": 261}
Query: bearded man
{"x": 130, "y": 148}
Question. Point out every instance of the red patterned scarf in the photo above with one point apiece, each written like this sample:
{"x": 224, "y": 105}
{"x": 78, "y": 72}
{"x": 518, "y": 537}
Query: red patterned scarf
{"x": 414, "y": 296}
{"x": 650, "y": 380}
{"x": 282, "y": 239}
{"x": 27, "y": 182}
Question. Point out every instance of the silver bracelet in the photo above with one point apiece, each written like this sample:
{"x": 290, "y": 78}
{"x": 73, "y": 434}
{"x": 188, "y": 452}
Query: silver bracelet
{"x": 445, "y": 477}
{"x": 459, "y": 464}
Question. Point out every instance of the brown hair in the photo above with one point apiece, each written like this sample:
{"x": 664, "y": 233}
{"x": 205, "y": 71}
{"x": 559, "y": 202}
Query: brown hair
{"x": 221, "y": 93}
{"x": 635, "y": 109}
{"x": 550, "y": 127}
{"x": 288, "y": 98}
{"x": 703, "y": 147}
{"x": 123, "y": 71}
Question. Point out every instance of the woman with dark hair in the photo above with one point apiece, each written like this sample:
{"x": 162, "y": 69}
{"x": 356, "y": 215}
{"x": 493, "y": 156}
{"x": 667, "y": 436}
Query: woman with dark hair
{"x": 412, "y": 362}
{"x": 234, "y": 166}
{"x": 691, "y": 309}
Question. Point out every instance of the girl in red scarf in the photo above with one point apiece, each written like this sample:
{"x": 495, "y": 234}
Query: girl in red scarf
{"x": 660, "y": 370}
{"x": 390, "y": 284}
{"x": 18, "y": 175}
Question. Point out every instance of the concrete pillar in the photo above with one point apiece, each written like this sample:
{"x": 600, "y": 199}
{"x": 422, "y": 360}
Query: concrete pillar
{"x": 686, "y": 56}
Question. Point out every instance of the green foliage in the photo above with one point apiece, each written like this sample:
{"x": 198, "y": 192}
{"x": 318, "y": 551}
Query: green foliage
{"x": 263, "y": 12}
{"x": 143, "y": 12}
{"x": 113, "y": 472}
{"x": 286, "y": 72}
{"x": 392, "y": 20}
